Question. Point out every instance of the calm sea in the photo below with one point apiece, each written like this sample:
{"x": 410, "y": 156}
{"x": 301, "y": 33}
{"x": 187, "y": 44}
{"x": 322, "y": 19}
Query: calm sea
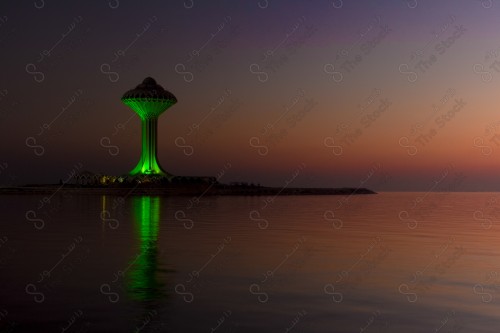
{"x": 392, "y": 262}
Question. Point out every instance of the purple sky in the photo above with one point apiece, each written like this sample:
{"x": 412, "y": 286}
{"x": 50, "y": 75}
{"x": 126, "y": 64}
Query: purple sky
{"x": 271, "y": 86}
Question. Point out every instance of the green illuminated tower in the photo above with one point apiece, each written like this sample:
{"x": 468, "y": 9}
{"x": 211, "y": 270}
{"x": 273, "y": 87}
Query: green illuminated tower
{"x": 149, "y": 100}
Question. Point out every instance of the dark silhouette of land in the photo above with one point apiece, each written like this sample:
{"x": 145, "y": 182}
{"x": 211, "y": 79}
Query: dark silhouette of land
{"x": 194, "y": 188}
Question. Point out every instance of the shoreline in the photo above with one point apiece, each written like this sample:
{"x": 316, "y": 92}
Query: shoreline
{"x": 219, "y": 189}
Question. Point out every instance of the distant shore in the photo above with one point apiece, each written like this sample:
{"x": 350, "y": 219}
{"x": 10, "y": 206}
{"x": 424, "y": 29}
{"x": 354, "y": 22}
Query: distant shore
{"x": 214, "y": 189}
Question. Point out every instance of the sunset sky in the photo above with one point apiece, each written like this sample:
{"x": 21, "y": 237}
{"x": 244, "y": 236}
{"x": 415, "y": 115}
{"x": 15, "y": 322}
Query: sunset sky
{"x": 390, "y": 95}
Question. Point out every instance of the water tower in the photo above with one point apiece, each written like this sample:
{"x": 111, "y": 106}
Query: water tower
{"x": 149, "y": 100}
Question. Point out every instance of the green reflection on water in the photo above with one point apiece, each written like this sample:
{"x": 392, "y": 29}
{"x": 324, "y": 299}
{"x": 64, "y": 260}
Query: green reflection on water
{"x": 142, "y": 280}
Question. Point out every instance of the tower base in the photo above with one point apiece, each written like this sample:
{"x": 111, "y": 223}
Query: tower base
{"x": 140, "y": 170}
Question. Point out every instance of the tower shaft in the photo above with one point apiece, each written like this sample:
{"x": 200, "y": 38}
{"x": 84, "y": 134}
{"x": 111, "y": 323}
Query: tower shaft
{"x": 148, "y": 164}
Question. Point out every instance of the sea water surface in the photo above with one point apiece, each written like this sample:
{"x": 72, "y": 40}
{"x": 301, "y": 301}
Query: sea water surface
{"x": 391, "y": 262}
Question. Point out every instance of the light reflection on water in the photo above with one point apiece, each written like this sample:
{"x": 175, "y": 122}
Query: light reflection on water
{"x": 376, "y": 263}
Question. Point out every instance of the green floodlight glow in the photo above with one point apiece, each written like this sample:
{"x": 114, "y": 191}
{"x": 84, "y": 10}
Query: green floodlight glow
{"x": 149, "y": 100}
